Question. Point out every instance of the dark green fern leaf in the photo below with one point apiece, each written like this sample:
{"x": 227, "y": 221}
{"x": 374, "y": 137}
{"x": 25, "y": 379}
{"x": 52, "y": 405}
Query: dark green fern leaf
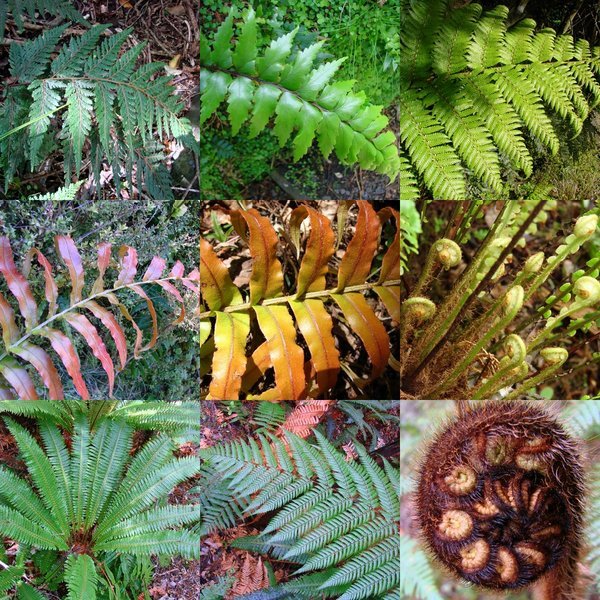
{"x": 19, "y": 8}
{"x": 337, "y": 519}
{"x": 96, "y": 94}
{"x": 296, "y": 93}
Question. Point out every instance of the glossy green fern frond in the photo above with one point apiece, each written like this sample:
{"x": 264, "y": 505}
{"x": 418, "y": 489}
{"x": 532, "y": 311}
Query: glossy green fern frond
{"x": 332, "y": 512}
{"x": 95, "y": 93}
{"x": 297, "y": 92}
{"x": 474, "y": 85}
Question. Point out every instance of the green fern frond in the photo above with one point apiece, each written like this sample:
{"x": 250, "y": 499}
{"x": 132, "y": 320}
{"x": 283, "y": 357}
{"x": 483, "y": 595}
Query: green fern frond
{"x": 19, "y": 8}
{"x": 268, "y": 415}
{"x": 332, "y": 512}
{"x": 108, "y": 101}
{"x": 583, "y": 418}
{"x": 64, "y": 193}
{"x": 416, "y": 577}
{"x": 91, "y": 499}
{"x": 474, "y": 85}
{"x": 81, "y": 577}
{"x": 28, "y": 592}
{"x": 296, "y": 93}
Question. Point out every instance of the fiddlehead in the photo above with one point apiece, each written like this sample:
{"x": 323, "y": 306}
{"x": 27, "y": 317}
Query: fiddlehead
{"x": 500, "y": 498}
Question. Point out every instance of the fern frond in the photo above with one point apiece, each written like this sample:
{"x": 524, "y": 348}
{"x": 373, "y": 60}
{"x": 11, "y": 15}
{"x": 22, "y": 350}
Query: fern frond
{"x": 81, "y": 577}
{"x": 297, "y": 93}
{"x": 90, "y": 498}
{"x": 268, "y": 415}
{"x": 64, "y": 193}
{"x": 17, "y": 340}
{"x": 232, "y": 373}
{"x": 345, "y": 512}
{"x": 19, "y": 8}
{"x": 583, "y": 418}
{"x": 108, "y": 101}
{"x": 473, "y": 86}
{"x": 417, "y": 577}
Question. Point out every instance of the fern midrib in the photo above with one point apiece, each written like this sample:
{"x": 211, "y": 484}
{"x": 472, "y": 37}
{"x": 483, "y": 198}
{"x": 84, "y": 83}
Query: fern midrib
{"x": 417, "y": 83}
{"x": 79, "y": 305}
{"x": 293, "y": 297}
{"x": 313, "y": 103}
{"x": 114, "y": 82}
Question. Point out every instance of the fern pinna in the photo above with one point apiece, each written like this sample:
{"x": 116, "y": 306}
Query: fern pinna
{"x": 473, "y": 85}
{"x": 337, "y": 520}
{"x": 296, "y": 91}
{"x": 87, "y": 498}
{"x": 41, "y": 321}
{"x": 109, "y": 102}
{"x": 234, "y": 371}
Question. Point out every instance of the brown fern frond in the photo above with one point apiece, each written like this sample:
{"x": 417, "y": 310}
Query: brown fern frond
{"x": 305, "y": 416}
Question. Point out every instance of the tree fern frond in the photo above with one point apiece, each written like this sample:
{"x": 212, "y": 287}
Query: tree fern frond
{"x": 297, "y": 93}
{"x": 417, "y": 578}
{"x": 81, "y": 577}
{"x": 346, "y": 514}
{"x": 474, "y": 84}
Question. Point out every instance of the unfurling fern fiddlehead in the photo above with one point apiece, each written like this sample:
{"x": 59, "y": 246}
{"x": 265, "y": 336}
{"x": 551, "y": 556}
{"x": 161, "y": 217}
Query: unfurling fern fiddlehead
{"x": 500, "y": 499}
{"x": 297, "y": 93}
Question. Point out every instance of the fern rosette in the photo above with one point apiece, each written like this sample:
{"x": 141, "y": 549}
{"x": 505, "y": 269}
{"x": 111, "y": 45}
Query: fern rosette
{"x": 92, "y": 498}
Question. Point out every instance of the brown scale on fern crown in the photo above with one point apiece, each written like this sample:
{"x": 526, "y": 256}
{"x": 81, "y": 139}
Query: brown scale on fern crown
{"x": 501, "y": 495}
